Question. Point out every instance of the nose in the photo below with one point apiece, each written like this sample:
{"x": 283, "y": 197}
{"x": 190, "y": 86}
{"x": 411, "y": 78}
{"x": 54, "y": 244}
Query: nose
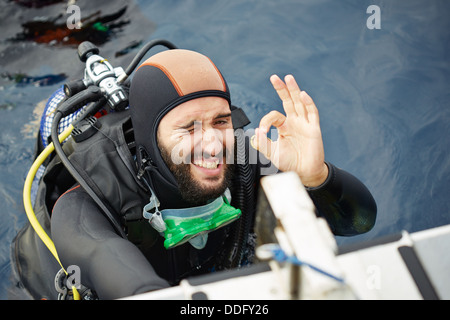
{"x": 211, "y": 144}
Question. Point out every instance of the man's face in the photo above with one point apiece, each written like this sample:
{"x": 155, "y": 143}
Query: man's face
{"x": 196, "y": 140}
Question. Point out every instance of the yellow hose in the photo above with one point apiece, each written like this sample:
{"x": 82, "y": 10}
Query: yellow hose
{"x": 29, "y": 207}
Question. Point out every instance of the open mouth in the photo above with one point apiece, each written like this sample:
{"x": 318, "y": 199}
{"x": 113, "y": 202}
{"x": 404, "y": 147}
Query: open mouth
{"x": 207, "y": 164}
{"x": 210, "y": 168}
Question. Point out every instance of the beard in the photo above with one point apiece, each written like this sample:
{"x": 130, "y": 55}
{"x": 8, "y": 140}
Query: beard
{"x": 190, "y": 189}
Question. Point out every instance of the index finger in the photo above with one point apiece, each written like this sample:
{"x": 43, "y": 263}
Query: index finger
{"x": 283, "y": 92}
{"x": 273, "y": 118}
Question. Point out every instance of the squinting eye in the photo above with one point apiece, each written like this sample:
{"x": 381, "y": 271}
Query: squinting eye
{"x": 221, "y": 122}
{"x": 196, "y": 127}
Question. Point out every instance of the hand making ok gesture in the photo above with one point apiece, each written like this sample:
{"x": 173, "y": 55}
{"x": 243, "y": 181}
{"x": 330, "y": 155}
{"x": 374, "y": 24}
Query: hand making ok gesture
{"x": 299, "y": 146}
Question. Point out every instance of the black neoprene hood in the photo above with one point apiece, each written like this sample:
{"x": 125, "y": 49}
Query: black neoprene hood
{"x": 163, "y": 82}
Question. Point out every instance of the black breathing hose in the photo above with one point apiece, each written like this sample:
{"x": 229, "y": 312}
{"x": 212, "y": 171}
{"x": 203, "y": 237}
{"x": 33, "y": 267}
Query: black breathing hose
{"x": 144, "y": 50}
{"x": 72, "y": 104}
{"x": 82, "y": 98}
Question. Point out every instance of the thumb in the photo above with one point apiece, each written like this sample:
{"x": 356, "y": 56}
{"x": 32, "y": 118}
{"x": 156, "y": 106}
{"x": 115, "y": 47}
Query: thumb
{"x": 261, "y": 143}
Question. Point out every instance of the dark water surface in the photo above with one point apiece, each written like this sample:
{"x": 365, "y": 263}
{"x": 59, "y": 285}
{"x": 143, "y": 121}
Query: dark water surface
{"x": 383, "y": 94}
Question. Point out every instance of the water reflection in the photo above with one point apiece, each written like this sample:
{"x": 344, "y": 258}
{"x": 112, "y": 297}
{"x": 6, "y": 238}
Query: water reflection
{"x": 130, "y": 47}
{"x": 96, "y": 28}
{"x": 22, "y": 79}
{"x": 36, "y": 3}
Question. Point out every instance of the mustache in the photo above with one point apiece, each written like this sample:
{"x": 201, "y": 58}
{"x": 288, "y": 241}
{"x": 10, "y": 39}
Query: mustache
{"x": 180, "y": 155}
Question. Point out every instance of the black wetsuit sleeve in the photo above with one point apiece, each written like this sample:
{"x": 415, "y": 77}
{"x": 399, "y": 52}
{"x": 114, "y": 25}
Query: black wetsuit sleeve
{"x": 110, "y": 265}
{"x": 345, "y": 202}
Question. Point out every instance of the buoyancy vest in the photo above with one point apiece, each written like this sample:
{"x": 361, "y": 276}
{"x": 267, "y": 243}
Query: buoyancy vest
{"x": 105, "y": 160}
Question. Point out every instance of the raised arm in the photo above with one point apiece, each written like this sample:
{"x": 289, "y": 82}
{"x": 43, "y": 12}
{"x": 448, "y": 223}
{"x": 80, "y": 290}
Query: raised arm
{"x": 342, "y": 199}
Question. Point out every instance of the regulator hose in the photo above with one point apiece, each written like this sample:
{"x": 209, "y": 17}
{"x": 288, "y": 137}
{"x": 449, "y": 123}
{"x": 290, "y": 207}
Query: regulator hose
{"x": 72, "y": 104}
{"x": 27, "y": 193}
{"x": 90, "y": 94}
{"x": 29, "y": 207}
{"x": 142, "y": 53}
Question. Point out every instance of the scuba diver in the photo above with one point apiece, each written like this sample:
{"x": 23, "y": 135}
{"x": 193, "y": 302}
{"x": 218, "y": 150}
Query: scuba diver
{"x": 166, "y": 187}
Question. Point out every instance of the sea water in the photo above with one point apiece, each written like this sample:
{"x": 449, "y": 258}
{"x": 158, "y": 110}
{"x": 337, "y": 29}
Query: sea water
{"x": 380, "y": 79}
